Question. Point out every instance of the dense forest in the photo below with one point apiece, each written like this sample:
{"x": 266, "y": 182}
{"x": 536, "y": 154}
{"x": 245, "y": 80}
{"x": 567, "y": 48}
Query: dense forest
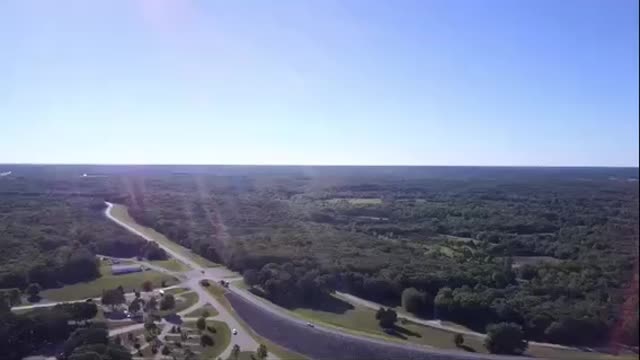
{"x": 553, "y": 250}
{"x": 50, "y": 237}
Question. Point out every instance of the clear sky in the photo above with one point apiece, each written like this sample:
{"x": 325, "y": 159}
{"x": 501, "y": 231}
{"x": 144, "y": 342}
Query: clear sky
{"x": 425, "y": 82}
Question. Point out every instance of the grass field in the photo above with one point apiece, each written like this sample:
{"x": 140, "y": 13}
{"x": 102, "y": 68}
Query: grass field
{"x": 246, "y": 355}
{"x": 198, "y": 312}
{"x": 120, "y": 212}
{"x": 357, "y": 201}
{"x": 171, "y": 264}
{"x": 176, "y": 291}
{"x": 190, "y": 299}
{"x": 362, "y": 320}
{"x": 240, "y": 284}
{"x": 94, "y": 288}
{"x": 221, "y": 338}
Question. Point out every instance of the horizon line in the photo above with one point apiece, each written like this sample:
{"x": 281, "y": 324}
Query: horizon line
{"x": 319, "y": 165}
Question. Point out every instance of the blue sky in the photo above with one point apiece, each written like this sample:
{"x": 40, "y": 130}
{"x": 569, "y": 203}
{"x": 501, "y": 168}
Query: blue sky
{"x": 450, "y": 82}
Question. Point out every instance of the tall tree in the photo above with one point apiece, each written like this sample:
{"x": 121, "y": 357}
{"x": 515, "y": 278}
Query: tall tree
{"x": 34, "y": 291}
{"x": 505, "y": 338}
{"x": 235, "y": 351}
{"x": 262, "y": 352}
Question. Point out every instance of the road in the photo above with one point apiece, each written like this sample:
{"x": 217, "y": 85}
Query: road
{"x": 433, "y": 323}
{"x": 243, "y": 339}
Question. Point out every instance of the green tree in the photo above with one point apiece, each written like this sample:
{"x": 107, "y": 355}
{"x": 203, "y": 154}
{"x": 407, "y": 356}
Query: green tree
{"x": 235, "y": 351}
{"x": 386, "y": 317}
{"x": 167, "y": 302}
{"x": 458, "y": 340}
{"x": 201, "y": 324}
{"x": 262, "y": 351}
{"x": 33, "y": 290}
{"x": 113, "y": 298}
{"x": 505, "y": 338}
{"x": 147, "y": 286}
{"x": 415, "y": 301}
{"x": 206, "y": 340}
{"x": 251, "y": 277}
{"x": 152, "y": 304}
{"x": 135, "y": 306}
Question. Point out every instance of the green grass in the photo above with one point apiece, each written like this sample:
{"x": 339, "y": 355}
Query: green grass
{"x": 94, "y": 288}
{"x": 240, "y": 284}
{"x": 221, "y": 339}
{"x": 118, "y": 324}
{"x": 190, "y": 299}
{"x": 198, "y": 312}
{"x": 170, "y": 264}
{"x": 357, "y": 201}
{"x": 176, "y": 291}
{"x": 282, "y": 352}
{"x": 362, "y": 320}
{"x": 245, "y": 355}
{"x": 120, "y": 212}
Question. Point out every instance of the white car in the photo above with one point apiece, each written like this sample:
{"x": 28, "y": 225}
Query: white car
{"x": 234, "y": 332}
{"x": 310, "y": 325}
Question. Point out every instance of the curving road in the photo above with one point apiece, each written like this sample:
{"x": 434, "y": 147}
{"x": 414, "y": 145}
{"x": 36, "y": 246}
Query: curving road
{"x": 268, "y": 320}
{"x": 193, "y": 278}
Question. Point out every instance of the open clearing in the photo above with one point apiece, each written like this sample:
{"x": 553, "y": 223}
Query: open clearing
{"x": 532, "y": 260}
{"x": 221, "y": 338}
{"x": 198, "y": 312}
{"x": 94, "y": 288}
{"x": 356, "y": 201}
{"x": 171, "y": 264}
{"x": 120, "y": 212}
{"x": 362, "y": 320}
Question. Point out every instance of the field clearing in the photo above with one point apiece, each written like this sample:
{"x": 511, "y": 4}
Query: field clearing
{"x": 198, "y": 312}
{"x": 532, "y": 260}
{"x": 362, "y": 320}
{"x": 221, "y": 338}
{"x": 356, "y": 201}
{"x": 121, "y": 213}
{"x": 94, "y": 288}
{"x": 176, "y": 291}
{"x": 170, "y": 264}
{"x": 460, "y": 239}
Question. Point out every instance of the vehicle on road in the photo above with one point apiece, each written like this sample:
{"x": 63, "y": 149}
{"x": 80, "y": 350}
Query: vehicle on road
{"x": 234, "y": 332}
{"x": 310, "y": 325}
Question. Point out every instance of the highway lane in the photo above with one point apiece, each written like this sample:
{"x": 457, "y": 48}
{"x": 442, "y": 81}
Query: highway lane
{"x": 322, "y": 343}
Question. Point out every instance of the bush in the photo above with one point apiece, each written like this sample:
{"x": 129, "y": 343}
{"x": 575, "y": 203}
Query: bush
{"x": 505, "y": 338}
{"x": 166, "y": 350}
{"x": 206, "y": 340}
{"x": 458, "y": 339}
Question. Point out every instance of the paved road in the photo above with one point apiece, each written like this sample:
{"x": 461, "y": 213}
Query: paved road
{"x": 243, "y": 339}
